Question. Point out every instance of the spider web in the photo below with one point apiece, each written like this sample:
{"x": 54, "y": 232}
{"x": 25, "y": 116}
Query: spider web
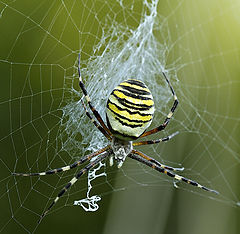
{"x": 43, "y": 124}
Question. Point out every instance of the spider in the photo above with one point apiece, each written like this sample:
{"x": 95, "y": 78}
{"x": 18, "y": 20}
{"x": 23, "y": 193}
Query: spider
{"x": 129, "y": 112}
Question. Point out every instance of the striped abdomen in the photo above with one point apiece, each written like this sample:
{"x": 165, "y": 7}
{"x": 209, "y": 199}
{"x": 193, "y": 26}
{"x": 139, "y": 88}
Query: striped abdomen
{"x": 130, "y": 109}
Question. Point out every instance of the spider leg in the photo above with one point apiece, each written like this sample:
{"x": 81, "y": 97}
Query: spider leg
{"x": 154, "y": 165}
{"x": 102, "y": 130}
{"x": 94, "y": 111}
{"x": 170, "y": 114}
{"x": 75, "y": 179}
{"x": 66, "y": 168}
{"x": 155, "y": 141}
{"x": 148, "y": 158}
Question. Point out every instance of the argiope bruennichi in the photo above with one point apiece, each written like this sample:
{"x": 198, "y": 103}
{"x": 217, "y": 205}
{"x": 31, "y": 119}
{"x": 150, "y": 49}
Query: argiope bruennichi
{"x": 129, "y": 112}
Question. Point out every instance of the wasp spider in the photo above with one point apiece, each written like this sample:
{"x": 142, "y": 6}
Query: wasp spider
{"x": 129, "y": 112}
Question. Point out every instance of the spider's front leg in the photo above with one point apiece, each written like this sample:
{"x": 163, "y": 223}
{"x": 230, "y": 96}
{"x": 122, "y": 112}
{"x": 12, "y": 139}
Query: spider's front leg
{"x": 149, "y": 142}
{"x": 76, "y": 178}
{"x": 154, "y": 165}
{"x": 65, "y": 168}
{"x": 150, "y": 159}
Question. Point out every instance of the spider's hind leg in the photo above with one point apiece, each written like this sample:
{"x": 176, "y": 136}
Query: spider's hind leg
{"x": 99, "y": 127}
{"x": 170, "y": 114}
{"x": 88, "y": 99}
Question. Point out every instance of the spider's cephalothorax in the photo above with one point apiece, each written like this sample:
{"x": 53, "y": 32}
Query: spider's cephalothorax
{"x": 130, "y": 109}
{"x": 121, "y": 149}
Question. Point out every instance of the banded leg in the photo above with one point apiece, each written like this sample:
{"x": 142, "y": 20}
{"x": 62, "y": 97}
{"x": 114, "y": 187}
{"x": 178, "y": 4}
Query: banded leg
{"x": 169, "y": 173}
{"x": 170, "y": 114}
{"x": 75, "y": 179}
{"x": 146, "y": 157}
{"x": 155, "y": 141}
{"x": 99, "y": 127}
{"x": 94, "y": 111}
{"x": 66, "y": 168}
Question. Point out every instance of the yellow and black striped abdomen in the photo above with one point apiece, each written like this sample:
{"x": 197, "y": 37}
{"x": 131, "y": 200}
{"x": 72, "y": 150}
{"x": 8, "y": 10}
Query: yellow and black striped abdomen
{"x": 130, "y": 109}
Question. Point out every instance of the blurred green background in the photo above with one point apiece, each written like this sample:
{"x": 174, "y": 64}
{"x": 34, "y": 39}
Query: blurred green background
{"x": 39, "y": 43}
